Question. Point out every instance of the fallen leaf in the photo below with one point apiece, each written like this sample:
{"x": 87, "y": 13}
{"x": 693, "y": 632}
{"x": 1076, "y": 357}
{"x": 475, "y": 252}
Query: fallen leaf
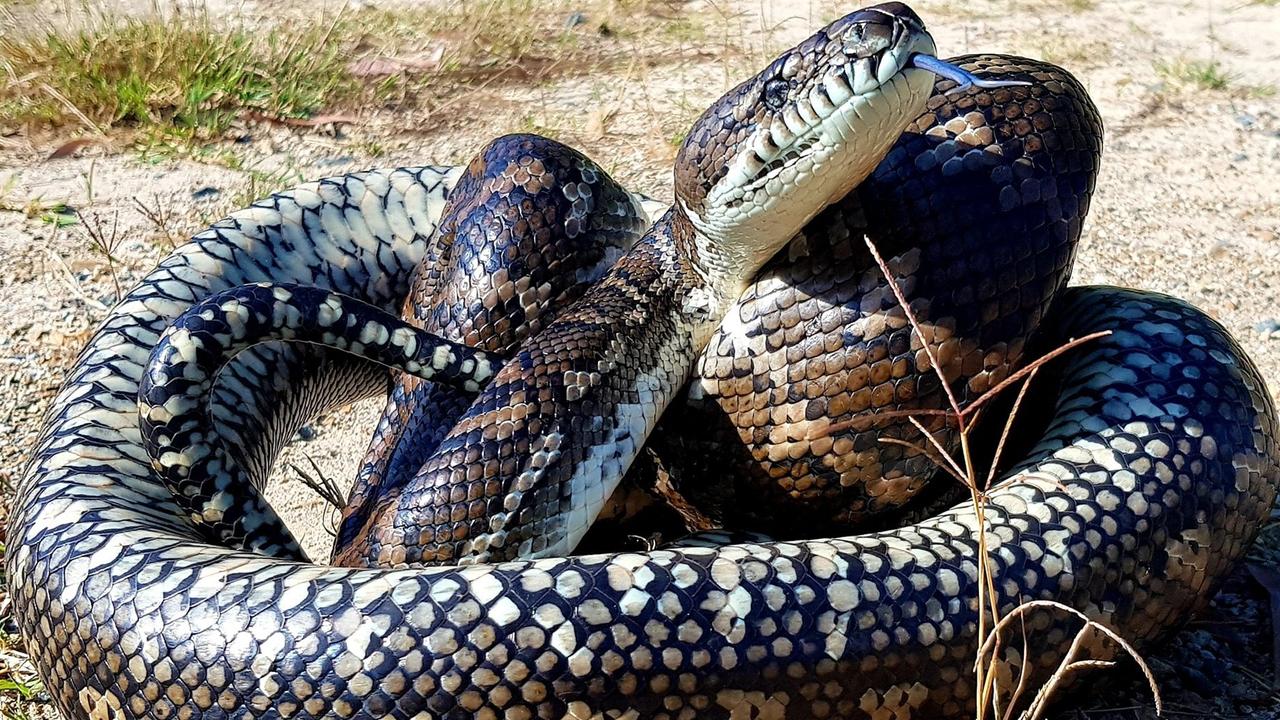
{"x": 71, "y": 147}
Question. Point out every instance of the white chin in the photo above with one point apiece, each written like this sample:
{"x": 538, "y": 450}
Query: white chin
{"x": 848, "y": 146}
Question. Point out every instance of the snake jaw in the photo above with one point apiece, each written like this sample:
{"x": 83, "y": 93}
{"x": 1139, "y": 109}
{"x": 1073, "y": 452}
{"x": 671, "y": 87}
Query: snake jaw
{"x": 776, "y": 150}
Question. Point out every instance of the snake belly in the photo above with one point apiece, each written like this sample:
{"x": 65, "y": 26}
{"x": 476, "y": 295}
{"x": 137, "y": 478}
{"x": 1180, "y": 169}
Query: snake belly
{"x": 1157, "y": 469}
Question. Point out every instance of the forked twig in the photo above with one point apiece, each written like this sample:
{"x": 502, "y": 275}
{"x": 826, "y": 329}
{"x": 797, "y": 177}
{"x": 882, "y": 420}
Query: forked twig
{"x": 965, "y": 419}
{"x": 933, "y": 440}
{"x": 159, "y": 215}
{"x": 1032, "y": 367}
{"x": 1069, "y": 664}
{"x": 103, "y": 242}
{"x": 323, "y": 486}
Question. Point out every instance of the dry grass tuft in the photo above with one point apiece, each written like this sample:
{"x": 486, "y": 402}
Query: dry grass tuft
{"x": 180, "y": 71}
{"x": 991, "y": 626}
{"x": 185, "y": 73}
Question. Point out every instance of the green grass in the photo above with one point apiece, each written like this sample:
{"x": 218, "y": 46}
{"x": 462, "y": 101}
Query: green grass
{"x": 259, "y": 184}
{"x": 178, "y": 72}
{"x": 1200, "y": 74}
{"x": 1185, "y": 74}
{"x": 186, "y": 76}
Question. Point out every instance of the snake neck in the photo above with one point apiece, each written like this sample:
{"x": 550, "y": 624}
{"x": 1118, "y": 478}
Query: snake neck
{"x": 713, "y": 278}
{"x": 727, "y": 265}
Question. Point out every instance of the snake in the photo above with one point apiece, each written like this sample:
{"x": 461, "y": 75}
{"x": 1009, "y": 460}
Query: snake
{"x": 1157, "y": 466}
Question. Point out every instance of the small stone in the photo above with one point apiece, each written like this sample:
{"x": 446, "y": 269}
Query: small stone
{"x": 205, "y": 193}
{"x": 1267, "y": 327}
{"x": 575, "y": 19}
{"x": 306, "y": 433}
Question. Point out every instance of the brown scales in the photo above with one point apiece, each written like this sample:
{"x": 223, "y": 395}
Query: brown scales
{"x": 978, "y": 209}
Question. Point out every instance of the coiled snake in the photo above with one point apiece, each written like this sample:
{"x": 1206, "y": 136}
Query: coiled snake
{"x": 1147, "y": 484}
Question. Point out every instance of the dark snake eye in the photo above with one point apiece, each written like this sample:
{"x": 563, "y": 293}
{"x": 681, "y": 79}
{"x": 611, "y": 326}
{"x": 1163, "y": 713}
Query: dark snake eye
{"x": 775, "y": 93}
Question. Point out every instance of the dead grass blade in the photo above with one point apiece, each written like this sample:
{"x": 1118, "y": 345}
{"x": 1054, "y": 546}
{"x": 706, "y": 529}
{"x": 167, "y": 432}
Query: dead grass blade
{"x": 927, "y": 452}
{"x": 321, "y": 484}
{"x": 1070, "y": 664}
{"x": 988, "y": 695}
{"x": 104, "y": 242}
{"x": 915, "y": 326}
{"x": 1032, "y": 367}
{"x": 865, "y": 421}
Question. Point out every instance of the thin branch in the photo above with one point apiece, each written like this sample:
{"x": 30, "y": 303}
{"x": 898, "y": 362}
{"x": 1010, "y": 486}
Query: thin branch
{"x": 959, "y": 472}
{"x": 915, "y": 326}
{"x": 1008, "y": 427}
{"x": 1032, "y": 367}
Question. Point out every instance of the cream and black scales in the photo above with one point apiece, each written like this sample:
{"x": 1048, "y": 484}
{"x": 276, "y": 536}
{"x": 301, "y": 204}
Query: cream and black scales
{"x": 1158, "y": 468}
{"x": 176, "y": 420}
{"x": 529, "y": 466}
{"x": 530, "y": 224}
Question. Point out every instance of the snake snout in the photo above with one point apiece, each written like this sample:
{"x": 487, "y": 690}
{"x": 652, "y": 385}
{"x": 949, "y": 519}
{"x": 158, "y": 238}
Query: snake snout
{"x": 775, "y": 150}
{"x": 876, "y": 29}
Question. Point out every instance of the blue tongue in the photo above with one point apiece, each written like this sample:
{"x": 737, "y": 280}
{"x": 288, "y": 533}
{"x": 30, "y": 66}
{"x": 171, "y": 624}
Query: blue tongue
{"x": 963, "y": 78}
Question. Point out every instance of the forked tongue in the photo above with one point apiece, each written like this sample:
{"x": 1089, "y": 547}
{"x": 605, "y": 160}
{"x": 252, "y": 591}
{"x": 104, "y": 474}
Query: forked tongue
{"x": 963, "y": 78}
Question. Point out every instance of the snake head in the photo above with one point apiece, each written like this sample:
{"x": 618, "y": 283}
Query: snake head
{"x": 775, "y": 150}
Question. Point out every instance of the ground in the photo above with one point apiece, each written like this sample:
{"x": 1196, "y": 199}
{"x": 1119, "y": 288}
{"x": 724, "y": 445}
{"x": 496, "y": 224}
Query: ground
{"x": 1188, "y": 200}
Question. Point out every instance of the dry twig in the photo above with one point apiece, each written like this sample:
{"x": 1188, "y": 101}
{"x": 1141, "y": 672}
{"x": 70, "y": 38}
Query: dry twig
{"x": 988, "y": 662}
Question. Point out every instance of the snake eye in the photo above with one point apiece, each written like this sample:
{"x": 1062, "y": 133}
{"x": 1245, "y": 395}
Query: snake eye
{"x": 867, "y": 39}
{"x": 775, "y": 93}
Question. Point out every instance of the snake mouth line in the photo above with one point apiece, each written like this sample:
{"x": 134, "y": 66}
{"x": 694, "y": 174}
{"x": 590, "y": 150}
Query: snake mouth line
{"x": 837, "y": 97}
{"x": 829, "y": 114}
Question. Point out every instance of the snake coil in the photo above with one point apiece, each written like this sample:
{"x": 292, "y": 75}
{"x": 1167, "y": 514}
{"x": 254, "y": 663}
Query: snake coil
{"x": 1154, "y": 473}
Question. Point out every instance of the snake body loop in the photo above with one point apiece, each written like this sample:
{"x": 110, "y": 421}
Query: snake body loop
{"x": 189, "y": 455}
{"x": 1157, "y": 467}
{"x": 977, "y": 211}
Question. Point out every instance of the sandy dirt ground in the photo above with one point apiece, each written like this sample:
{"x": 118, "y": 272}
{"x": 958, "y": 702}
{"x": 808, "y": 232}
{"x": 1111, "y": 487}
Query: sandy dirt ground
{"x": 1188, "y": 203}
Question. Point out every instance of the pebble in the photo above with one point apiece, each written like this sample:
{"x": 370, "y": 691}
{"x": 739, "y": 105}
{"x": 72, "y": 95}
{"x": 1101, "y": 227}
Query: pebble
{"x": 205, "y": 193}
{"x": 1269, "y": 328}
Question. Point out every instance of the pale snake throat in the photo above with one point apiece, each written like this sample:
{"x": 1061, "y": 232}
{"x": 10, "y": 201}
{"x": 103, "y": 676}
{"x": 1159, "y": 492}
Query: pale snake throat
{"x": 546, "y": 328}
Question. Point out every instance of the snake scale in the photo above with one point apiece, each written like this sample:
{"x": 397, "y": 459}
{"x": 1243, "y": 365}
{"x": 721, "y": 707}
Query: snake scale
{"x": 1147, "y": 483}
